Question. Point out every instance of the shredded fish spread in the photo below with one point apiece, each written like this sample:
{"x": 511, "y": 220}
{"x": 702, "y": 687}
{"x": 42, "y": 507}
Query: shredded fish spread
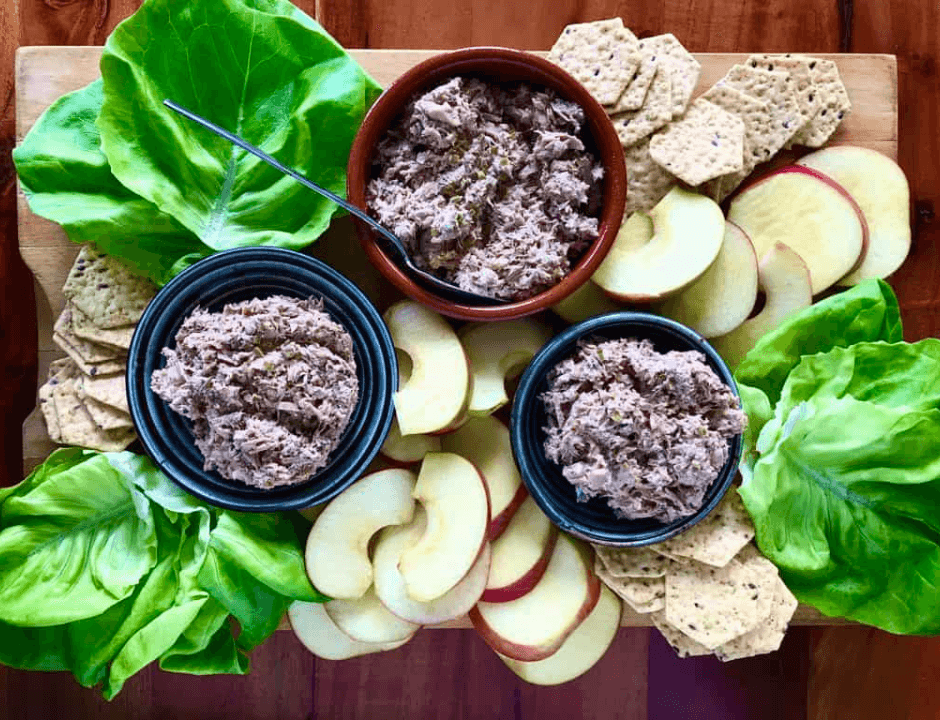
{"x": 269, "y": 384}
{"x": 646, "y": 430}
{"x": 489, "y": 186}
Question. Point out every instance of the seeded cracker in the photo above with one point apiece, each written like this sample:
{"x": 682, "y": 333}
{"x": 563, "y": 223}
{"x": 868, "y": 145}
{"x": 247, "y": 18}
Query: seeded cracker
{"x": 647, "y": 181}
{"x": 768, "y": 635}
{"x": 105, "y": 290}
{"x": 656, "y": 112}
{"x": 763, "y": 137}
{"x": 105, "y": 367}
{"x": 603, "y": 56}
{"x": 801, "y": 80}
{"x": 634, "y": 95}
{"x": 90, "y": 351}
{"x": 632, "y": 562}
{"x": 774, "y": 88}
{"x": 78, "y": 427}
{"x": 834, "y": 105}
{"x": 719, "y": 537}
{"x": 107, "y": 389}
{"x": 81, "y": 325}
{"x": 714, "y": 605}
{"x": 682, "y": 644}
{"x": 47, "y": 405}
{"x": 705, "y": 143}
{"x": 644, "y": 595}
{"x": 684, "y": 71}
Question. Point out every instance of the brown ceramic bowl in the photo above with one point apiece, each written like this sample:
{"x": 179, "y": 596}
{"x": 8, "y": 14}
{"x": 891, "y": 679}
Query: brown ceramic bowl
{"x": 504, "y": 65}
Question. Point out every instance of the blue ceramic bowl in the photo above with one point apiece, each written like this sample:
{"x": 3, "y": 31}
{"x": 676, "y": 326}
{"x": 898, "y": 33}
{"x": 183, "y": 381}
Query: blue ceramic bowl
{"x": 594, "y": 520}
{"x": 237, "y": 275}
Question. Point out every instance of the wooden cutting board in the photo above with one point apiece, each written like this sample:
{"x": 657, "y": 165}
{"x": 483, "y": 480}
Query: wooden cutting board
{"x": 45, "y": 73}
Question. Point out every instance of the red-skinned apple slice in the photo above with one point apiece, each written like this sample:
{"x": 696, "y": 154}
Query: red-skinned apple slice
{"x": 810, "y": 213}
{"x": 390, "y": 587}
{"x": 586, "y": 302}
{"x": 658, "y": 254}
{"x": 366, "y": 619}
{"x": 495, "y": 352}
{"x": 880, "y": 188}
{"x": 454, "y": 496}
{"x": 319, "y": 634}
{"x": 535, "y": 626}
{"x": 485, "y": 442}
{"x": 520, "y": 554}
{"x": 336, "y": 555}
{"x": 724, "y": 296}
{"x": 581, "y": 651}
{"x": 785, "y": 280}
{"x": 438, "y": 384}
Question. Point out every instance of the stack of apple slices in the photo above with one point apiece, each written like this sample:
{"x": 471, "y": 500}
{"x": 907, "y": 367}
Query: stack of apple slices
{"x": 837, "y": 217}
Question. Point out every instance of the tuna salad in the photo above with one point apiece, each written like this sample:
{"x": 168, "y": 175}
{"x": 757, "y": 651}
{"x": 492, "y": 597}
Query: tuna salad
{"x": 489, "y": 186}
{"x": 646, "y": 430}
{"x": 269, "y": 384}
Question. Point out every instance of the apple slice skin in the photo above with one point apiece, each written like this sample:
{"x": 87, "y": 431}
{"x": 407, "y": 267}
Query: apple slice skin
{"x": 889, "y": 227}
{"x": 319, "y": 634}
{"x": 823, "y": 275}
{"x": 586, "y": 302}
{"x": 343, "y": 569}
{"x": 528, "y": 528}
{"x": 391, "y": 590}
{"x": 482, "y": 614}
{"x": 485, "y": 441}
{"x": 448, "y": 505}
{"x": 581, "y": 651}
{"x": 366, "y": 619}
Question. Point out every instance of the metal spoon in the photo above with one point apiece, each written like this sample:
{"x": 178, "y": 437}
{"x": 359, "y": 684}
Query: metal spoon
{"x": 389, "y": 242}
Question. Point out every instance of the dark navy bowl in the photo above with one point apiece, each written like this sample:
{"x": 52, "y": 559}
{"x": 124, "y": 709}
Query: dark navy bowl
{"x": 594, "y": 520}
{"x": 233, "y": 276}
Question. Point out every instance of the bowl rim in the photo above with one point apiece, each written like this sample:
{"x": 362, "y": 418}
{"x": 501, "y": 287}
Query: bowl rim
{"x": 474, "y": 60}
{"x": 377, "y": 347}
{"x": 560, "y": 347}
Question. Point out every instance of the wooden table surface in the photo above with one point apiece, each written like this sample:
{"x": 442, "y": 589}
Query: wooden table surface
{"x": 830, "y": 673}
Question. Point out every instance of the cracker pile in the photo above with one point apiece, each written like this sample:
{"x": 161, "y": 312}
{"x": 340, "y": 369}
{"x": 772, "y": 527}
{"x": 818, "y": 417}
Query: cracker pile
{"x": 84, "y": 401}
{"x": 708, "y": 590}
{"x": 714, "y": 142}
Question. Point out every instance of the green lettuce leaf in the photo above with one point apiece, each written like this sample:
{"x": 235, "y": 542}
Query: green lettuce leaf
{"x": 67, "y": 179}
{"x": 260, "y": 68}
{"x": 207, "y": 646}
{"x": 867, "y": 312}
{"x": 845, "y": 499}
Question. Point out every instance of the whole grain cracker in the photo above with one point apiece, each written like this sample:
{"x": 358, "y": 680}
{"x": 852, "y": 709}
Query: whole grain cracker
{"x": 706, "y": 143}
{"x": 77, "y": 426}
{"x": 62, "y": 367}
{"x": 681, "y": 643}
{"x": 763, "y": 137}
{"x": 684, "y": 70}
{"x": 713, "y": 605}
{"x": 719, "y": 537}
{"x": 774, "y": 88}
{"x": 834, "y": 105}
{"x": 769, "y": 633}
{"x": 647, "y": 181}
{"x": 801, "y": 79}
{"x": 105, "y": 290}
{"x": 603, "y": 56}
{"x": 108, "y": 389}
{"x": 119, "y": 337}
{"x": 656, "y": 112}
{"x": 632, "y": 562}
{"x": 91, "y": 352}
{"x": 644, "y": 595}
{"x": 107, "y": 417}
{"x": 105, "y": 367}
{"x": 634, "y": 95}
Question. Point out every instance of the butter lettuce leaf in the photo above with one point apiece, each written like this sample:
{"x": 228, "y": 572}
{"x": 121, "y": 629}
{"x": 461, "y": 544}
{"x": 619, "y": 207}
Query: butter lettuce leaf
{"x": 67, "y": 179}
{"x": 259, "y": 68}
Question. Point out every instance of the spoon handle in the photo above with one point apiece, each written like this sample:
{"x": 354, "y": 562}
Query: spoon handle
{"x": 391, "y": 246}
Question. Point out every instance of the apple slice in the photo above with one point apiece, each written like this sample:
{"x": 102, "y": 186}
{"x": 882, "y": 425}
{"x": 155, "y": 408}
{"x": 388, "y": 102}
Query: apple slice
{"x": 658, "y": 254}
{"x": 880, "y": 188}
{"x": 581, "y": 651}
{"x": 390, "y": 587}
{"x": 485, "y": 442}
{"x": 337, "y": 556}
{"x": 809, "y": 212}
{"x": 520, "y": 554}
{"x": 534, "y": 626}
{"x": 724, "y": 296}
{"x": 586, "y": 302}
{"x": 786, "y": 283}
{"x": 454, "y": 497}
{"x": 366, "y": 619}
{"x": 495, "y": 352}
{"x": 437, "y": 388}
{"x": 408, "y": 448}
{"x": 319, "y": 634}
